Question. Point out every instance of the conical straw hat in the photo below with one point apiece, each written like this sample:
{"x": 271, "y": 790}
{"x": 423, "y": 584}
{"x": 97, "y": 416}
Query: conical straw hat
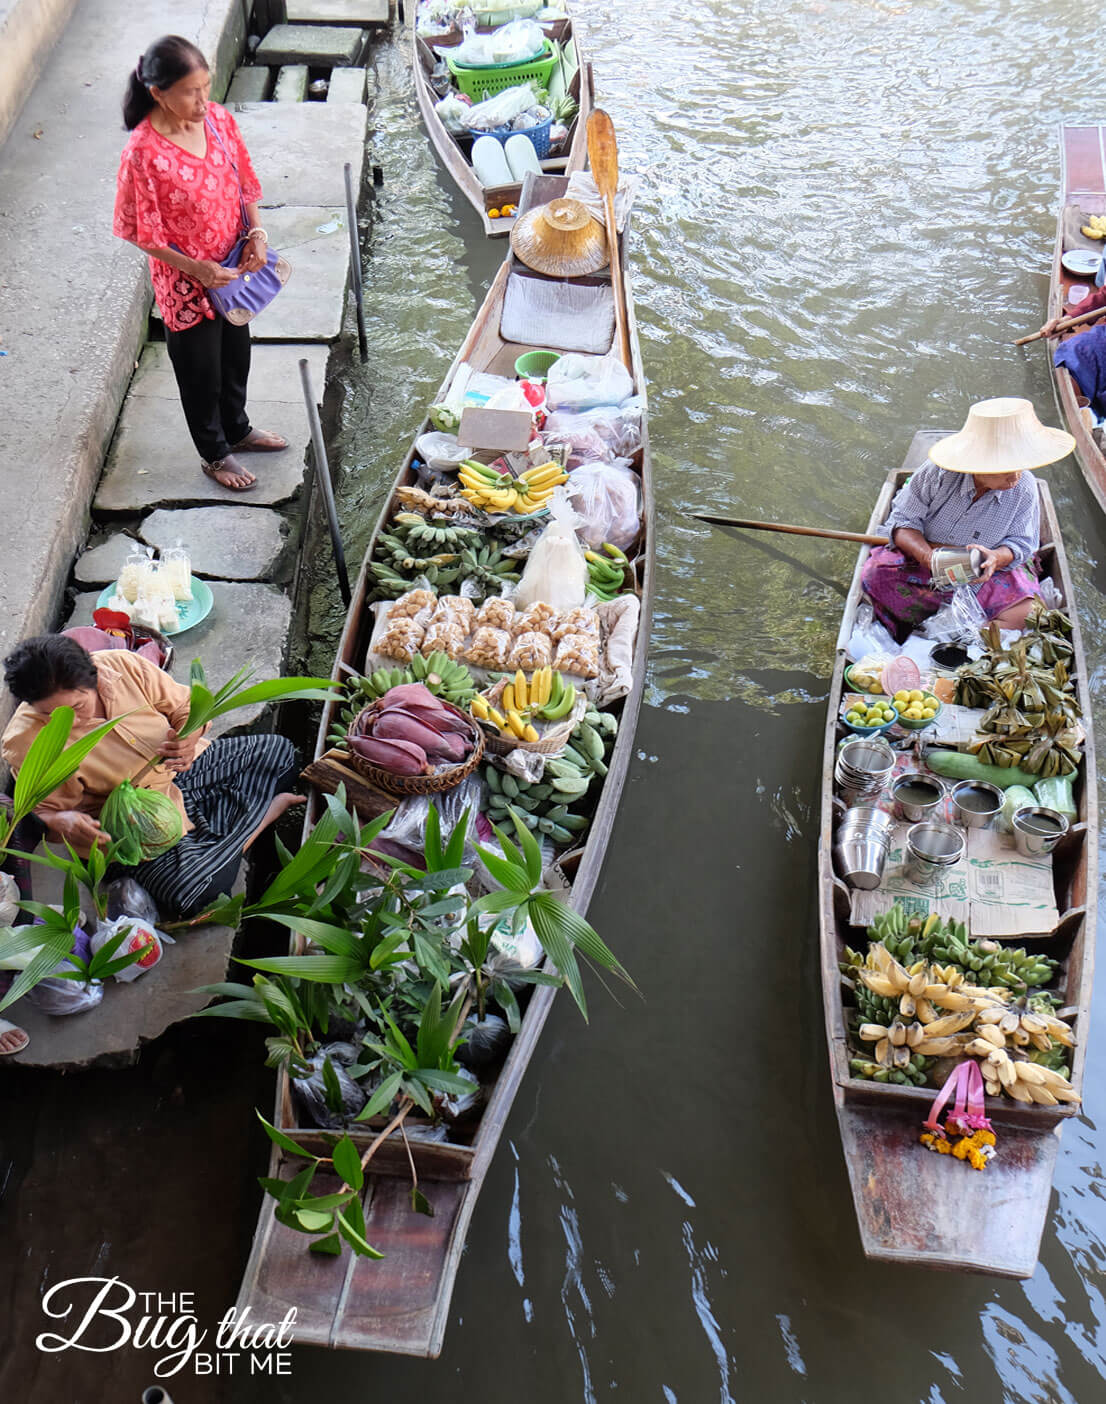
{"x": 560, "y": 239}
{"x": 1001, "y": 436}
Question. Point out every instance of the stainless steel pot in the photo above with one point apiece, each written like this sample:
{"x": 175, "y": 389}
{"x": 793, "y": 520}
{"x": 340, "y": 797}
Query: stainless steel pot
{"x": 1037, "y": 830}
{"x": 976, "y": 803}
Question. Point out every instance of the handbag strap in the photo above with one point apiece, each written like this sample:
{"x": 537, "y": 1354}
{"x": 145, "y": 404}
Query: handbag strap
{"x": 237, "y": 174}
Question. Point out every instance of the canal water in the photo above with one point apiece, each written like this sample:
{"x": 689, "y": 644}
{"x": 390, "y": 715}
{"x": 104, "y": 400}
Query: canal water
{"x": 846, "y": 214}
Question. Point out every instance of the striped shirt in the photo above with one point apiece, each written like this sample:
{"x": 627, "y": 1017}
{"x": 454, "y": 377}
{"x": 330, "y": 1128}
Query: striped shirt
{"x": 939, "y": 504}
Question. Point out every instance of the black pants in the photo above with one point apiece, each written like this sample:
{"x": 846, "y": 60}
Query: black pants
{"x": 212, "y": 364}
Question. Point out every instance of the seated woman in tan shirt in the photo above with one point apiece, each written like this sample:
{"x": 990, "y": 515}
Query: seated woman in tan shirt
{"x": 227, "y": 790}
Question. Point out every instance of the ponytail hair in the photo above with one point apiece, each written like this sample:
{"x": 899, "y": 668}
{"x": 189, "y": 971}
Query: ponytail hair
{"x": 165, "y": 62}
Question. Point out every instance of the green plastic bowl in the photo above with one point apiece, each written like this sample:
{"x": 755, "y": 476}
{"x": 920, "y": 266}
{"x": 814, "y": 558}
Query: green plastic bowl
{"x": 534, "y": 365}
{"x": 913, "y": 724}
{"x": 870, "y": 730}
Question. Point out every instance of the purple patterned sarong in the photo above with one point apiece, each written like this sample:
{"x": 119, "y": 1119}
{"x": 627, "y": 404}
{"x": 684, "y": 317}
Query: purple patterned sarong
{"x": 902, "y": 597}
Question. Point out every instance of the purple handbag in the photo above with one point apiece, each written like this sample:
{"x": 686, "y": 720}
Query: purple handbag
{"x": 250, "y": 293}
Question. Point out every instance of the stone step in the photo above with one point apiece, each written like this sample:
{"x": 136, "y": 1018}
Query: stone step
{"x": 250, "y": 85}
{"x": 298, "y": 149}
{"x": 311, "y": 303}
{"x": 319, "y": 46}
{"x": 152, "y": 461}
{"x": 291, "y": 83}
{"x": 225, "y": 543}
{"x": 368, "y": 12}
{"x": 248, "y": 624}
{"x": 347, "y": 85}
{"x": 29, "y": 29}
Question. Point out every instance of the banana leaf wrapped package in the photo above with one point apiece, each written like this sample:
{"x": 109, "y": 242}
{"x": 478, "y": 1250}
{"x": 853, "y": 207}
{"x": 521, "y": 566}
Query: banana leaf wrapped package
{"x": 143, "y": 823}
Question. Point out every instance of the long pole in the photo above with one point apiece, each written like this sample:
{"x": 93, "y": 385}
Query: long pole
{"x": 355, "y": 262}
{"x": 326, "y": 483}
{"x": 825, "y": 532}
{"x": 1062, "y": 325}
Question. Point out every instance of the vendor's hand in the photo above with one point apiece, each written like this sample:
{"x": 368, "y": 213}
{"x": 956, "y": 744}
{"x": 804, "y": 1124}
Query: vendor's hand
{"x": 993, "y": 560}
{"x": 76, "y": 828}
{"x": 210, "y": 274}
{"x": 177, "y": 754}
{"x": 253, "y": 255}
{"x": 1049, "y": 327}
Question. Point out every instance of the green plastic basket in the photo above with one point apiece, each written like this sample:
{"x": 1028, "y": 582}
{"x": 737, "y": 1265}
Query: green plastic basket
{"x": 475, "y": 82}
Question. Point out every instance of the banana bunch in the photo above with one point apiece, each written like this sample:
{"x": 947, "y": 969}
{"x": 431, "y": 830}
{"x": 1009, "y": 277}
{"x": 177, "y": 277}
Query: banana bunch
{"x": 537, "y": 805}
{"x": 1095, "y": 228}
{"x": 429, "y": 504}
{"x": 438, "y": 672}
{"x": 585, "y": 755}
{"x": 546, "y": 697}
{"x": 489, "y": 567}
{"x": 417, "y": 531}
{"x": 952, "y": 1018}
{"x": 607, "y": 574}
{"x": 390, "y": 584}
{"x": 909, "y": 939}
{"x": 491, "y": 491}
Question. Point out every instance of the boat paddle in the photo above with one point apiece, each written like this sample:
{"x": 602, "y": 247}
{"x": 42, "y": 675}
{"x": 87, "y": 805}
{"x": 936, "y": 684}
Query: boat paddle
{"x": 603, "y": 159}
{"x": 1062, "y": 325}
{"x": 860, "y": 536}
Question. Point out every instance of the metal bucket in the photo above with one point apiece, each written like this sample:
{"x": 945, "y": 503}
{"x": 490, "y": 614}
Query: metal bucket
{"x": 862, "y": 767}
{"x": 1037, "y": 830}
{"x": 955, "y": 565}
{"x": 976, "y": 803}
{"x": 863, "y": 842}
{"x": 930, "y": 847}
{"x": 915, "y": 809}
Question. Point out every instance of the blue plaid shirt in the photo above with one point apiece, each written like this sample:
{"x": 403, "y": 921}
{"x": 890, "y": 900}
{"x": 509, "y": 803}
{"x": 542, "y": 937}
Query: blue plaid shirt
{"x": 939, "y": 505}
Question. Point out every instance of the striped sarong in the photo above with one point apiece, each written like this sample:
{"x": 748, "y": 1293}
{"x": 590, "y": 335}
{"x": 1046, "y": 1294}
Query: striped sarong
{"x": 226, "y": 791}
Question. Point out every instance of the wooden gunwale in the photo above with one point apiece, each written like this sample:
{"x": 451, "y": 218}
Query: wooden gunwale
{"x": 483, "y": 198}
{"x": 861, "y": 1104}
{"x": 1083, "y": 187}
{"x": 453, "y": 1171}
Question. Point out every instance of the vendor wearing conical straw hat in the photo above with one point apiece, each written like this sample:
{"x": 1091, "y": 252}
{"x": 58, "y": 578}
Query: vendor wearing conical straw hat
{"x": 976, "y": 490}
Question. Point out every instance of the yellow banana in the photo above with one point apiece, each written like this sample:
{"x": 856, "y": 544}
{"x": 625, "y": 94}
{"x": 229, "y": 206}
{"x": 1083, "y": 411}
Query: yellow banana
{"x": 497, "y": 717}
{"x": 522, "y": 697}
{"x": 517, "y": 725}
{"x": 479, "y": 708}
{"x": 508, "y": 698}
{"x": 529, "y": 734}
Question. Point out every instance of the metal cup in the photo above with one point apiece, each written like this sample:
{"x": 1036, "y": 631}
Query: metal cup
{"x": 916, "y": 810}
{"x": 862, "y": 767}
{"x": 981, "y": 815}
{"x": 930, "y": 847}
{"x": 1037, "y": 830}
{"x": 861, "y": 861}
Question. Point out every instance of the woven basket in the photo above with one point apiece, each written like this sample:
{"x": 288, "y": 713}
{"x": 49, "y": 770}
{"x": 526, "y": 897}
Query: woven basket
{"x": 551, "y": 743}
{"x": 539, "y": 136}
{"x": 435, "y": 784}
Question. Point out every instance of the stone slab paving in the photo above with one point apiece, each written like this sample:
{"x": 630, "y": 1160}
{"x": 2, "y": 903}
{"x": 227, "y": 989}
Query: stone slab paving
{"x": 321, "y": 46}
{"x": 152, "y": 461}
{"x": 338, "y": 11}
{"x": 291, "y": 83}
{"x": 102, "y": 563}
{"x": 248, "y": 624}
{"x": 310, "y": 304}
{"x": 298, "y": 149}
{"x": 250, "y": 85}
{"x": 229, "y": 543}
{"x": 347, "y": 85}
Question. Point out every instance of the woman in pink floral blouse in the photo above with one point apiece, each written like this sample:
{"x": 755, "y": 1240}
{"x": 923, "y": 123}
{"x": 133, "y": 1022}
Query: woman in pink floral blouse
{"x": 177, "y": 199}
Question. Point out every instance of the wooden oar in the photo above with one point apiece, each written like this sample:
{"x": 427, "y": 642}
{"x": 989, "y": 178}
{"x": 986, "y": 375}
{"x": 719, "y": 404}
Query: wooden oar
{"x": 603, "y": 158}
{"x": 791, "y": 530}
{"x": 1062, "y": 325}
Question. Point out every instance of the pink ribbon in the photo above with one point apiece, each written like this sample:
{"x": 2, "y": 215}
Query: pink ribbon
{"x": 968, "y": 1112}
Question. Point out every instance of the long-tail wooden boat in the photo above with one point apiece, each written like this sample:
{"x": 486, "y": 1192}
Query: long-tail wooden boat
{"x": 400, "y": 1303}
{"x": 455, "y": 152}
{"x": 1083, "y": 193}
{"x": 912, "y": 1206}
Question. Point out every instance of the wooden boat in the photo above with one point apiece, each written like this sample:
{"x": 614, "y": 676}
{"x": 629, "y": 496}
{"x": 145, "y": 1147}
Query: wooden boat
{"x": 454, "y": 152}
{"x": 914, "y": 1207}
{"x": 401, "y": 1303}
{"x": 1083, "y": 192}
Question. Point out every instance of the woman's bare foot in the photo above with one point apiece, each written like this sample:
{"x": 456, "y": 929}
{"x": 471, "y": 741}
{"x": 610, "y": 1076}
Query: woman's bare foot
{"x": 280, "y": 805}
{"x": 13, "y": 1039}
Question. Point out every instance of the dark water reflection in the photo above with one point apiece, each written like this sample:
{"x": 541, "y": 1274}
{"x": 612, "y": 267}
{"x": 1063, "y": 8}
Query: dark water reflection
{"x": 846, "y": 215}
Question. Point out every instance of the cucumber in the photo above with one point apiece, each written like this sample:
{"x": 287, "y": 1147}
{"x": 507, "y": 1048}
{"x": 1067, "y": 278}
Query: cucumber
{"x": 959, "y": 765}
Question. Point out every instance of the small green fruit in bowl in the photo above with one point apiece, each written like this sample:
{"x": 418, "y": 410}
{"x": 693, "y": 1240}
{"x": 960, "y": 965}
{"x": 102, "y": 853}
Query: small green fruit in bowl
{"x": 868, "y": 715}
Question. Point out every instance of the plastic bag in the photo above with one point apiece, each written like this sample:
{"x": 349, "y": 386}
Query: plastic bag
{"x": 500, "y": 111}
{"x": 608, "y": 431}
{"x": 959, "y": 621}
{"x": 453, "y": 109}
{"x": 607, "y": 499}
{"x": 408, "y": 823}
{"x": 557, "y": 571}
{"x": 516, "y": 42}
{"x": 126, "y": 897}
{"x": 1057, "y": 792}
{"x": 441, "y": 451}
{"x": 486, "y": 1042}
{"x": 9, "y": 899}
{"x": 869, "y": 635}
{"x": 140, "y": 936}
{"x": 60, "y": 997}
{"x": 310, "y": 1093}
{"x": 581, "y": 382}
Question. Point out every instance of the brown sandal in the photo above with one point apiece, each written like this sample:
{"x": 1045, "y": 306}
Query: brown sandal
{"x": 261, "y": 441}
{"x": 228, "y": 465}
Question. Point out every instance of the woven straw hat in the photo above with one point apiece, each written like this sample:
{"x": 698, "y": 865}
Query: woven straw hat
{"x": 1001, "y": 436}
{"x": 560, "y": 239}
